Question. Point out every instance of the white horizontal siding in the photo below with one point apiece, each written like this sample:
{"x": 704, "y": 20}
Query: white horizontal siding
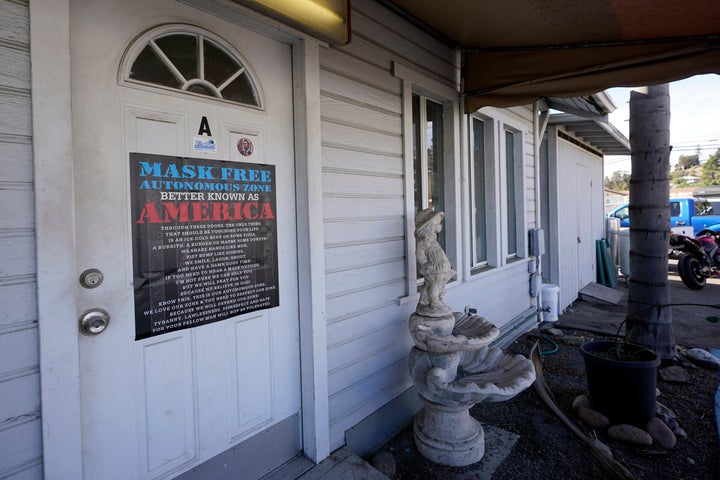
{"x": 349, "y": 281}
{"x": 16, "y": 205}
{"x": 21, "y": 444}
{"x": 15, "y": 389}
{"x": 18, "y": 300}
{"x": 367, "y": 229}
{"x": 14, "y": 161}
{"x": 15, "y": 116}
{"x": 358, "y": 183}
{"x": 15, "y": 22}
{"x": 499, "y": 294}
{"x": 355, "y": 254}
{"x": 339, "y": 109}
{"x": 363, "y": 209}
{"x": 343, "y": 373}
{"x": 20, "y": 425}
{"x": 385, "y": 38}
{"x": 17, "y": 255}
{"x": 338, "y": 206}
{"x": 15, "y": 73}
{"x": 530, "y": 175}
{"x": 363, "y": 300}
{"x": 356, "y": 402}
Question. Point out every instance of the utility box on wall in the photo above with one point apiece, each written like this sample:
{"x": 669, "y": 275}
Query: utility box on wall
{"x": 536, "y": 242}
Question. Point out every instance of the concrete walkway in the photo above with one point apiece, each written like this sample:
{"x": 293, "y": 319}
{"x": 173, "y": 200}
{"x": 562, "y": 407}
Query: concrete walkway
{"x": 343, "y": 464}
{"x": 690, "y": 326}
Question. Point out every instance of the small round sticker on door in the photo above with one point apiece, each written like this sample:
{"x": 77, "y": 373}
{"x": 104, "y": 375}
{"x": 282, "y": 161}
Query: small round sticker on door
{"x": 245, "y": 147}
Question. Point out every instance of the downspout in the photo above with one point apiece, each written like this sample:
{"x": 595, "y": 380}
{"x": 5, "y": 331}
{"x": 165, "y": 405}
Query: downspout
{"x": 540, "y": 121}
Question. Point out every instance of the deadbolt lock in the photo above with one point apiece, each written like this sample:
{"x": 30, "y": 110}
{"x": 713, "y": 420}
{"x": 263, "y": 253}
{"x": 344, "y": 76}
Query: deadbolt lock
{"x": 91, "y": 278}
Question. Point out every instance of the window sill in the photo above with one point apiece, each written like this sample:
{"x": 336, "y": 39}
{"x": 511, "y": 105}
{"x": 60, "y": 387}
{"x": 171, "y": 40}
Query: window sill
{"x": 480, "y": 270}
{"x": 409, "y": 299}
{"x": 512, "y": 260}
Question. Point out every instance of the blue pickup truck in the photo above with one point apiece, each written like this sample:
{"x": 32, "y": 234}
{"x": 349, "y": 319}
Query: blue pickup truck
{"x": 684, "y": 212}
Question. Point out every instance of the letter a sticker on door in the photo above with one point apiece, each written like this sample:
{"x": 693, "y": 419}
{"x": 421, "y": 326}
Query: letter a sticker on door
{"x": 204, "y": 241}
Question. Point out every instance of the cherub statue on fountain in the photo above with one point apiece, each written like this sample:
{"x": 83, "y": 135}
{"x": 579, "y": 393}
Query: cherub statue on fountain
{"x": 432, "y": 264}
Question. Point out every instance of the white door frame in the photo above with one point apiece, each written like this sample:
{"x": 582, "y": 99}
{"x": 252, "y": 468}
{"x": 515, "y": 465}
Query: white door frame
{"x": 55, "y": 232}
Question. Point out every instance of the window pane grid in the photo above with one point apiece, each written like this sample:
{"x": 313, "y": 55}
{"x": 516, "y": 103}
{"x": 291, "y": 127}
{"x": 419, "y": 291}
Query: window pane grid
{"x": 194, "y": 63}
{"x": 417, "y": 157}
{"x": 479, "y": 217}
{"x": 435, "y": 160}
{"x": 510, "y": 208}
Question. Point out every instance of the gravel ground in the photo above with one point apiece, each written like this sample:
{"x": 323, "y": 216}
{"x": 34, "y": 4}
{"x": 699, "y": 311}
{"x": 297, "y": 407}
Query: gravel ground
{"x": 548, "y": 449}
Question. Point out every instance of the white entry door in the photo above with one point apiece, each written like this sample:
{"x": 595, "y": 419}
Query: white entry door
{"x": 183, "y": 122}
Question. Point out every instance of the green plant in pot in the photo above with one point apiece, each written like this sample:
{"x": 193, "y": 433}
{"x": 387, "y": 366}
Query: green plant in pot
{"x": 622, "y": 376}
{"x": 621, "y": 379}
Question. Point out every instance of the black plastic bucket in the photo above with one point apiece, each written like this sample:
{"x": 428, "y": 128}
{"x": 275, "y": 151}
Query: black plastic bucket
{"x": 624, "y": 391}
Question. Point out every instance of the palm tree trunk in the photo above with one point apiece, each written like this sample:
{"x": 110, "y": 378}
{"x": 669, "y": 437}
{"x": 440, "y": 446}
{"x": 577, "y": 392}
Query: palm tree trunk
{"x": 648, "y": 323}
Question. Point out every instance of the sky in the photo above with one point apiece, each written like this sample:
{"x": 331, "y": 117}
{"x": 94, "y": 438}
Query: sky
{"x": 694, "y": 119}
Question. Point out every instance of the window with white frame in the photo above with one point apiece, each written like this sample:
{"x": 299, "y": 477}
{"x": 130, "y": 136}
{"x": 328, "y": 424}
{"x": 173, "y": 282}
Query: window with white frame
{"x": 511, "y": 195}
{"x": 191, "y": 60}
{"x": 430, "y": 123}
{"x": 496, "y": 193}
{"x": 428, "y": 156}
{"x": 478, "y": 180}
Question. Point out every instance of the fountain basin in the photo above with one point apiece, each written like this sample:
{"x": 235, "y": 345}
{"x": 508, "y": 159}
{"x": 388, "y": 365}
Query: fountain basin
{"x": 469, "y": 377}
{"x": 452, "y": 333}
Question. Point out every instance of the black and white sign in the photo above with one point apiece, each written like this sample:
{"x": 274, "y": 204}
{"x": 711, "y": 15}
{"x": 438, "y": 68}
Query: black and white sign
{"x": 204, "y": 241}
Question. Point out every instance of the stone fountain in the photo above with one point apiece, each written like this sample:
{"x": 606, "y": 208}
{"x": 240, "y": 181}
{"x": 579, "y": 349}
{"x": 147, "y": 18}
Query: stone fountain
{"x": 452, "y": 364}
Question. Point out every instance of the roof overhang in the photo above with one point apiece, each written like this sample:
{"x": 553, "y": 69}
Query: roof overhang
{"x": 597, "y": 132}
{"x": 518, "y": 51}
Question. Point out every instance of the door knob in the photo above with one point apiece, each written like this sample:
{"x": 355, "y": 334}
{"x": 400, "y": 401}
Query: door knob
{"x": 94, "y": 321}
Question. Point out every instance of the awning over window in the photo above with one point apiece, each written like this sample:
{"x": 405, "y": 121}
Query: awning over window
{"x": 517, "y": 51}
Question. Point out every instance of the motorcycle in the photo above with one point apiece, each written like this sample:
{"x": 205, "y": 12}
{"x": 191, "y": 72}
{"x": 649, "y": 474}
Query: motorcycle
{"x": 698, "y": 257}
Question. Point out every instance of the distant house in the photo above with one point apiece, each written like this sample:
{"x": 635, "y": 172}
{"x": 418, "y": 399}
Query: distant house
{"x": 711, "y": 194}
{"x": 614, "y": 199}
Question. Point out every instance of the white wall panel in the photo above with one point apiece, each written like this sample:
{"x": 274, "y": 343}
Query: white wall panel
{"x": 14, "y": 23}
{"x": 169, "y": 434}
{"x": 336, "y": 206}
{"x": 352, "y": 255}
{"x": 20, "y": 424}
{"x": 15, "y": 115}
{"x": 390, "y": 230}
{"x": 341, "y": 156}
{"x": 386, "y": 38}
{"x": 17, "y": 253}
{"x": 15, "y": 389}
{"x": 16, "y": 160}
{"x": 18, "y": 301}
{"x": 16, "y": 67}
{"x": 21, "y": 447}
{"x": 358, "y": 401}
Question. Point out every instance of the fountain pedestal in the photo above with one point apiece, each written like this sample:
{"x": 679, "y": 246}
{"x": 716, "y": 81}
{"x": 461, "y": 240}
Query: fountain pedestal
{"x": 448, "y": 435}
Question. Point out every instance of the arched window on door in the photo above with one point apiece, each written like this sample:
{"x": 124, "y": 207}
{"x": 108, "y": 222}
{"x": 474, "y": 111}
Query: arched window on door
{"x": 189, "y": 59}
